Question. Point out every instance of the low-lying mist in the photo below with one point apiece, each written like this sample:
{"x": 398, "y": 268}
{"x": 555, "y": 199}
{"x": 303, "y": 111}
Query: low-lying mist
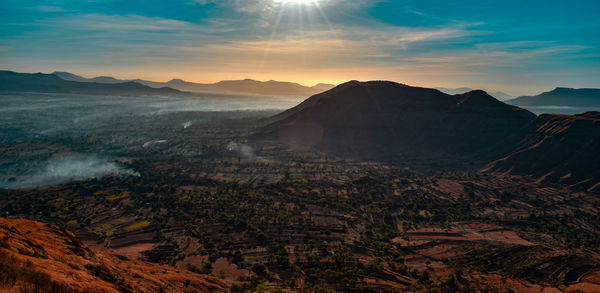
{"x": 67, "y": 169}
{"x": 552, "y": 109}
{"x": 39, "y": 133}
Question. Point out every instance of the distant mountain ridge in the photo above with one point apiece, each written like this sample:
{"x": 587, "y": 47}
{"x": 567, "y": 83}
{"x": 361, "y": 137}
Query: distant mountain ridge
{"x": 51, "y": 83}
{"x": 560, "y": 96}
{"x": 246, "y": 86}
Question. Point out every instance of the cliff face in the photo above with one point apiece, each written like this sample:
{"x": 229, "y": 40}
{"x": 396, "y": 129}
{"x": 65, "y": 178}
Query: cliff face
{"x": 38, "y": 257}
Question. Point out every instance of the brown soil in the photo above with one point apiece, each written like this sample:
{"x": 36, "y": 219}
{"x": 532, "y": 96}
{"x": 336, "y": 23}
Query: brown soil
{"x": 58, "y": 254}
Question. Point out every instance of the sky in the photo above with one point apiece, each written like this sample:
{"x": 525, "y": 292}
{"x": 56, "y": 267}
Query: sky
{"x": 519, "y": 47}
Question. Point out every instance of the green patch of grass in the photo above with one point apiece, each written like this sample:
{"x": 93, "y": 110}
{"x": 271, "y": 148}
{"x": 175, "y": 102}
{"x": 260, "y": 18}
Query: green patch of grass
{"x": 137, "y": 226}
{"x": 122, "y": 195}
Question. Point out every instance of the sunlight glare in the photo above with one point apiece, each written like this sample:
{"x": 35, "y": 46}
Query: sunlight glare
{"x": 297, "y": 2}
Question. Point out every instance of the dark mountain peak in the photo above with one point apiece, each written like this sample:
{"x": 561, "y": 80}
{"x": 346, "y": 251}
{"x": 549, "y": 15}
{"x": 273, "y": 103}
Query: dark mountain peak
{"x": 559, "y": 88}
{"x": 383, "y": 118}
{"x": 478, "y": 98}
{"x": 377, "y": 85}
{"x": 479, "y": 93}
{"x": 373, "y": 83}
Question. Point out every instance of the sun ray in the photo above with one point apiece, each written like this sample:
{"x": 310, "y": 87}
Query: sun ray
{"x": 274, "y": 29}
{"x": 297, "y": 2}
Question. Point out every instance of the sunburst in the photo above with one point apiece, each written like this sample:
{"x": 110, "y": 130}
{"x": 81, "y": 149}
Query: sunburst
{"x": 298, "y": 2}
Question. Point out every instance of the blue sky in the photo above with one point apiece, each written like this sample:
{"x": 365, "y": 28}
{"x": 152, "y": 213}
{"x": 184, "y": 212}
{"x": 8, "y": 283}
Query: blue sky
{"x": 520, "y": 47}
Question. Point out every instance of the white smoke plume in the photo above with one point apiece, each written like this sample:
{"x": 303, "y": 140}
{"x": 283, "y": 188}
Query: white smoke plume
{"x": 153, "y": 142}
{"x": 245, "y": 151}
{"x": 68, "y": 169}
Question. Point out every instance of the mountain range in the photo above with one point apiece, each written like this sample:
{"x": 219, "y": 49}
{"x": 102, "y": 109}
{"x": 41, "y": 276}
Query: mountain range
{"x": 425, "y": 128}
{"x": 562, "y": 97}
{"x": 246, "y": 86}
{"x": 51, "y": 83}
{"x": 557, "y": 101}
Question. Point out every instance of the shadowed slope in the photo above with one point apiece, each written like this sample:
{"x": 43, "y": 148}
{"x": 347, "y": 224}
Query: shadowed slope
{"x": 409, "y": 125}
{"x": 563, "y": 148}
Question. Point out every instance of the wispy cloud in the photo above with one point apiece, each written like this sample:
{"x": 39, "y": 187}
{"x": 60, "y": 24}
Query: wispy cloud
{"x": 335, "y": 40}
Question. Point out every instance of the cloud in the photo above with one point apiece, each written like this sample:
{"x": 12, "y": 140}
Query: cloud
{"x": 264, "y": 39}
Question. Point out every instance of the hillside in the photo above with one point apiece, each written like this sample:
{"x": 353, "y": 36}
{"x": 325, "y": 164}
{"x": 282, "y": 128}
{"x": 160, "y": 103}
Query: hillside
{"x": 249, "y": 86}
{"x": 246, "y": 86}
{"x": 408, "y": 125}
{"x": 50, "y": 83}
{"x": 562, "y": 149}
{"x": 37, "y": 257}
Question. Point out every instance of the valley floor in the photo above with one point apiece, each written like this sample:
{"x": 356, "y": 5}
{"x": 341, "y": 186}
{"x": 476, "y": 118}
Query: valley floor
{"x": 276, "y": 218}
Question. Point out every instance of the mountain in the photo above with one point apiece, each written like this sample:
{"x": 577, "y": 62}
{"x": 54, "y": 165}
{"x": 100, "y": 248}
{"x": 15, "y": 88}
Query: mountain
{"x": 502, "y": 96}
{"x": 457, "y": 91}
{"x": 38, "y": 257}
{"x": 100, "y": 79}
{"x": 562, "y": 100}
{"x": 321, "y": 87}
{"x": 70, "y": 76}
{"x": 246, "y": 86}
{"x": 51, "y": 83}
{"x": 561, "y": 149}
{"x": 419, "y": 127}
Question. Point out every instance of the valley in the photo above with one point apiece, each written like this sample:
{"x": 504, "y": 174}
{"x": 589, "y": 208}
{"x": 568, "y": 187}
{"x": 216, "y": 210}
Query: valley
{"x": 280, "y": 217}
{"x": 299, "y": 146}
